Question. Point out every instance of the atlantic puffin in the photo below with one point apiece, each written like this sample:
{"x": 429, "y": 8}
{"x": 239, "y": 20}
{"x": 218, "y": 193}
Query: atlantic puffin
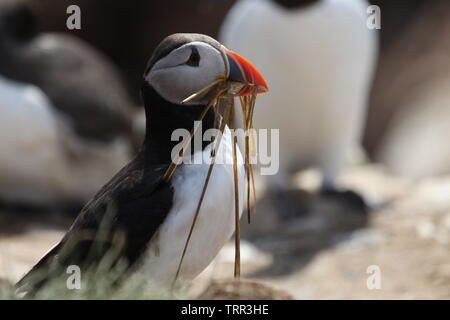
{"x": 150, "y": 215}
{"x": 319, "y": 57}
{"x": 66, "y": 119}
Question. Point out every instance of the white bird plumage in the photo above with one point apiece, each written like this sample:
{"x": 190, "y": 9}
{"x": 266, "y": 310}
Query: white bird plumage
{"x": 318, "y": 62}
{"x": 42, "y": 160}
{"x": 216, "y": 218}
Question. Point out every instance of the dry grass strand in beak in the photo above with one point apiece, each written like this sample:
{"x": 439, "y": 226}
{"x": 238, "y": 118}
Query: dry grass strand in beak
{"x": 203, "y": 90}
{"x": 248, "y": 105}
{"x": 237, "y": 231}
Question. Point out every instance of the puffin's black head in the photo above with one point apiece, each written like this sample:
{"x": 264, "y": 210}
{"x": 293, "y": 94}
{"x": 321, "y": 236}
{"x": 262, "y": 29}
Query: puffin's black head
{"x": 17, "y": 21}
{"x": 184, "y": 63}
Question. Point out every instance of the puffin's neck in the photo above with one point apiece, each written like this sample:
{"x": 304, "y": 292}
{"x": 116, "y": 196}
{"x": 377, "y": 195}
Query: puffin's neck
{"x": 163, "y": 118}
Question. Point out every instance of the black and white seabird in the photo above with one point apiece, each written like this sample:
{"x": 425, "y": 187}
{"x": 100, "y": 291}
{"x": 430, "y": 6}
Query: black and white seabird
{"x": 65, "y": 120}
{"x": 153, "y": 217}
{"x": 319, "y": 57}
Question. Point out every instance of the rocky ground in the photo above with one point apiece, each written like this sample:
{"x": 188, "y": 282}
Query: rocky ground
{"x": 331, "y": 250}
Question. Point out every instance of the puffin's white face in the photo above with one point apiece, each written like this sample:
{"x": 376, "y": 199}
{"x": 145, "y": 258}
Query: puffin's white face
{"x": 185, "y": 71}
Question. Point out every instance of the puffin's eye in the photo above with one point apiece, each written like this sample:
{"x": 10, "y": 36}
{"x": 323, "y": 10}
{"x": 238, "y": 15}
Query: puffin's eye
{"x": 194, "y": 59}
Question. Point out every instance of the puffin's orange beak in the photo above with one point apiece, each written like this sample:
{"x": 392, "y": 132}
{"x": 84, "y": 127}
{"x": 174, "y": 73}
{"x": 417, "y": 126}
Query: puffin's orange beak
{"x": 245, "y": 73}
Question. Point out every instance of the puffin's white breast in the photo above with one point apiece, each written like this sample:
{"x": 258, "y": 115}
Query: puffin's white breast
{"x": 215, "y": 223}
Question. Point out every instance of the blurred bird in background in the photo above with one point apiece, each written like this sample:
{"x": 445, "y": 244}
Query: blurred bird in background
{"x": 318, "y": 57}
{"x": 66, "y": 119}
{"x": 409, "y": 120}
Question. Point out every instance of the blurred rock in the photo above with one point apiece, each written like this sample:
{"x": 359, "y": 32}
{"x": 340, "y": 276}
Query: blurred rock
{"x": 243, "y": 290}
{"x": 407, "y": 238}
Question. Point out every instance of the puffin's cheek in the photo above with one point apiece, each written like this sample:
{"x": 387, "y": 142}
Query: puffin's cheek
{"x": 168, "y": 85}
